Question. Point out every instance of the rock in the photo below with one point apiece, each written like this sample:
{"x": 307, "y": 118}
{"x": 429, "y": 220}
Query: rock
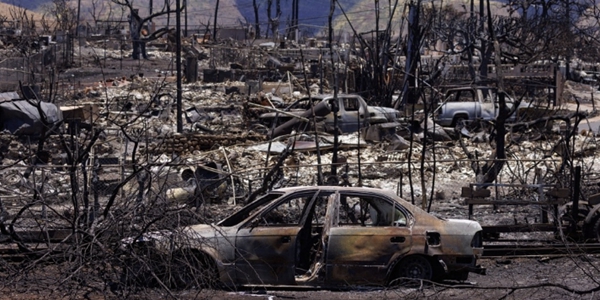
{"x": 397, "y": 143}
{"x": 480, "y": 137}
{"x": 435, "y": 131}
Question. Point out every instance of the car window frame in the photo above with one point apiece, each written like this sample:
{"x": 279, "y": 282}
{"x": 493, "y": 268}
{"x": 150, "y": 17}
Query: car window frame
{"x": 248, "y": 222}
{"x": 249, "y": 208}
{"x": 295, "y": 104}
{"x": 410, "y": 219}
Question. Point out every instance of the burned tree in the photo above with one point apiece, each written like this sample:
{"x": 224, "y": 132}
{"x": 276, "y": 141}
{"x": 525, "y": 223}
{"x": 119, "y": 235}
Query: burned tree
{"x": 274, "y": 21}
{"x": 64, "y": 15}
{"x": 137, "y": 23}
{"x": 255, "y": 6}
{"x": 379, "y": 68}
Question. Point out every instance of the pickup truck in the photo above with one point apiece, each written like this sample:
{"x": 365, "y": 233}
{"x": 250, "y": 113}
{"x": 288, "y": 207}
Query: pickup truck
{"x": 466, "y": 104}
{"x": 353, "y": 114}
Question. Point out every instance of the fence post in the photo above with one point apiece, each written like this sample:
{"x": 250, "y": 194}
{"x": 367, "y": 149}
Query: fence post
{"x": 541, "y": 195}
{"x": 576, "y": 186}
{"x": 95, "y": 188}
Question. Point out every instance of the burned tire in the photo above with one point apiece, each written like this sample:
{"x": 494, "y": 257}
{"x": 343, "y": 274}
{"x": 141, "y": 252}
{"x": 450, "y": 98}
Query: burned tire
{"x": 143, "y": 269}
{"x": 411, "y": 270}
{"x": 191, "y": 269}
{"x": 459, "y": 275}
{"x": 138, "y": 274}
{"x": 594, "y": 231}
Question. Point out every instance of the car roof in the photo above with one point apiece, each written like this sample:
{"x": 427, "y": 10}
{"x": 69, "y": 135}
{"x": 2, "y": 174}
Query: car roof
{"x": 323, "y": 96}
{"x": 413, "y": 208}
{"x": 338, "y": 188}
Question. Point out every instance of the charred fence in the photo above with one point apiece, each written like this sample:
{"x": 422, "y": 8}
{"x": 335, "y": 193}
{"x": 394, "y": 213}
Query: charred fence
{"x": 39, "y": 67}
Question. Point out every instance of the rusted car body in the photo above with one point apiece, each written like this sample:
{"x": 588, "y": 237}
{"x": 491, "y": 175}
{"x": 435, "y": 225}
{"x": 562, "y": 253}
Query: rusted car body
{"x": 325, "y": 236}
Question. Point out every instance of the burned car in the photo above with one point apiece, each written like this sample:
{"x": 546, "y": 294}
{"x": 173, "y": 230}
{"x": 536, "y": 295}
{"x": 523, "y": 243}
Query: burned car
{"x": 321, "y": 236}
{"x": 353, "y": 114}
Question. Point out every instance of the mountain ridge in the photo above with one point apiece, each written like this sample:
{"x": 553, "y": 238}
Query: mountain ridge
{"x": 313, "y": 14}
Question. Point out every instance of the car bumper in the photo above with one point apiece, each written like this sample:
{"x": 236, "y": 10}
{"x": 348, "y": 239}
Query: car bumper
{"x": 462, "y": 264}
{"x": 477, "y": 270}
{"x": 443, "y": 122}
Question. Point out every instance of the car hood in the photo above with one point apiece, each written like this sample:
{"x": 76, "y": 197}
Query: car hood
{"x": 272, "y": 115}
{"x": 164, "y": 238}
{"x": 379, "y": 114}
{"x": 203, "y": 230}
{"x": 382, "y": 110}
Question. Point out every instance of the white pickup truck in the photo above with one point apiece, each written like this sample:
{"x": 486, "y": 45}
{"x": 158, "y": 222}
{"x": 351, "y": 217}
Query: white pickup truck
{"x": 467, "y": 104}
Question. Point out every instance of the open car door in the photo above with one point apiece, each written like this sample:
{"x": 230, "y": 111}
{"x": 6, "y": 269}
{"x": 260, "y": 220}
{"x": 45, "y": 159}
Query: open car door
{"x": 266, "y": 246}
{"x": 315, "y": 273}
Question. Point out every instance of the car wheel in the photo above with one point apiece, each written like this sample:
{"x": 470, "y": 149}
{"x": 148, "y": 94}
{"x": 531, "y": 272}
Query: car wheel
{"x": 412, "y": 268}
{"x": 459, "y": 122}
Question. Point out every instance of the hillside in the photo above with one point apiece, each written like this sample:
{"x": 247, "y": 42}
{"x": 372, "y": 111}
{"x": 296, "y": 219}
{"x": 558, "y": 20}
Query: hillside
{"x": 28, "y": 4}
{"x": 362, "y": 14}
{"x": 200, "y": 12}
{"x": 313, "y": 14}
{"x": 9, "y": 10}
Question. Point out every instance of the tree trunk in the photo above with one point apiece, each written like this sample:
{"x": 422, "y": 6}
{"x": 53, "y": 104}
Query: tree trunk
{"x": 256, "y": 20}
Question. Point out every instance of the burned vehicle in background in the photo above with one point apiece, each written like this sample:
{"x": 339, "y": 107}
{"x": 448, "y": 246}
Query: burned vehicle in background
{"x": 463, "y": 105}
{"x": 322, "y": 236}
{"x": 353, "y": 113}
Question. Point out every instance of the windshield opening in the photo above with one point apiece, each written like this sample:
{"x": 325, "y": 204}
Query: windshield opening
{"x": 249, "y": 209}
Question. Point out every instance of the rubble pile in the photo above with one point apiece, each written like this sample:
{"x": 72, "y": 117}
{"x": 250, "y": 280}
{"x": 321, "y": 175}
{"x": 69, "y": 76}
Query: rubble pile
{"x": 222, "y": 133}
{"x": 186, "y": 144}
{"x": 217, "y": 130}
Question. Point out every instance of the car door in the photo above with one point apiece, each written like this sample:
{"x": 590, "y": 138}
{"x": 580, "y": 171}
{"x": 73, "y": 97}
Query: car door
{"x": 266, "y": 245}
{"x": 470, "y": 104}
{"x": 488, "y": 103}
{"x": 351, "y": 115}
{"x": 370, "y": 234}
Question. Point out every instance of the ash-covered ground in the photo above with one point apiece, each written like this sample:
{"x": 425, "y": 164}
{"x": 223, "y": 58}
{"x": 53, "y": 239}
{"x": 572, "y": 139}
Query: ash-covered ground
{"x": 133, "y": 106}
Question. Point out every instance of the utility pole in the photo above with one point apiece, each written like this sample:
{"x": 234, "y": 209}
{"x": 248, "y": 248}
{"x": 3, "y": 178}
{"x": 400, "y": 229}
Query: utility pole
{"x": 185, "y": 33}
{"x": 335, "y": 103}
{"x": 409, "y": 94}
{"x": 77, "y": 28}
{"x": 215, "y": 25}
{"x": 296, "y": 22}
{"x": 178, "y": 64}
{"x": 482, "y": 59}
{"x": 78, "y": 16}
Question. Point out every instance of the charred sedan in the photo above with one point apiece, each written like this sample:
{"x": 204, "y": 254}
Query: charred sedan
{"x": 320, "y": 237}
